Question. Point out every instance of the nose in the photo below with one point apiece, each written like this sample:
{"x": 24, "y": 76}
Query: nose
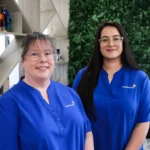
{"x": 111, "y": 43}
{"x": 43, "y": 57}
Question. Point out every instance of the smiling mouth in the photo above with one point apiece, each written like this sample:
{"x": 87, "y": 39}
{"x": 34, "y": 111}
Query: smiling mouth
{"x": 43, "y": 67}
{"x": 110, "y": 50}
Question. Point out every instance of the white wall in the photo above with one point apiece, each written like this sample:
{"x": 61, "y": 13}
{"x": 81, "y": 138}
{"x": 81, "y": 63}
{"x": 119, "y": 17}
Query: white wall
{"x": 14, "y": 76}
{"x": 2, "y": 45}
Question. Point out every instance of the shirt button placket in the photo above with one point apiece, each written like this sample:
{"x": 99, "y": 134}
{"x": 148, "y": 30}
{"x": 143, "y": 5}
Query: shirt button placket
{"x": 60, "y": 126}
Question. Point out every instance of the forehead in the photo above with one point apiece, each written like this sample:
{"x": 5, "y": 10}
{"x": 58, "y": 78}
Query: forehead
{"x": 109, "y": 31}
{"x": 40, "y": 45}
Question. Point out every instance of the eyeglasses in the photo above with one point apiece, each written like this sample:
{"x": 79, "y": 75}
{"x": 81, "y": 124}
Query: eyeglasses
{"x": 104, "y": 41}
{"x": 34, "y": 55}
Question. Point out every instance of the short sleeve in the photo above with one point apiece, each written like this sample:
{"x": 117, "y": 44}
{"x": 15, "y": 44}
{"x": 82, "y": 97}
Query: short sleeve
{"x": 87, "y": 121}
{"x": 144, "y": 106}
{"x": 81, "y": 109}
{"x": 74, "y": 86}
{"x": 88, "y": 124}
{"x": 8, "y": 124}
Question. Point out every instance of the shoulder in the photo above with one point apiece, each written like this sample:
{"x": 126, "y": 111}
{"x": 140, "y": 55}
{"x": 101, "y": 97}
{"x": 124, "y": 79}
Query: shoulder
{"x": 9, "y": 93}
{"x": 58, "y": 85}
{"x": 138, "y": 77}
{"x": 78, "y": 78}
{"x": 81, "y": 71}
{"x": 137, "y": 74}
{"x": 12, "y": 93}
{"x": 64, "y": 91}
{"x": 62, "y": 88}
{"x": 8, "y": 101}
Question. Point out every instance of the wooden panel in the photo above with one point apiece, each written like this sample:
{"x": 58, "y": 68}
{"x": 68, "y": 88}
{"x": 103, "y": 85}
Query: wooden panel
{"x": 9, "y": 58}
{"x": 62, "y": 44}
{"x": 11, "y": 5}
{"x": 7, "y": 66}
{"x": 26, "y": 27}
{"x": 31, "y": 12}
{"x": 16, "y": 22}
{"x": 60, "y": 73}
{"x": 45, "y": 17}
{"x": 12, "y": 33}
{"x": 15, "y": 45}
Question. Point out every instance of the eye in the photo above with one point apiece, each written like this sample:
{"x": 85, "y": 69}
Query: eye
{"x": 47, "y": 53}
{"x": 116, "y": 38}
{"x": 104, "y": 40}
{"x": 34, "y": 54}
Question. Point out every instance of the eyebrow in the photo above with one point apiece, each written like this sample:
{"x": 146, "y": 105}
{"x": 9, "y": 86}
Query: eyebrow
{"x": 38, "y": 50}
{"x": 108, "y": 36}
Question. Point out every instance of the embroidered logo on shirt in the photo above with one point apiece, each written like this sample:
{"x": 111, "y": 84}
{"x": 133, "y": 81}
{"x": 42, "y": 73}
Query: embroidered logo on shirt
{"x": 129, "y": 87}
{"x": 70, "y": 105}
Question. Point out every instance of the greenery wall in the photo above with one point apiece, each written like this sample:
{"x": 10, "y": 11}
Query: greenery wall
{"x": 87, "y": 15}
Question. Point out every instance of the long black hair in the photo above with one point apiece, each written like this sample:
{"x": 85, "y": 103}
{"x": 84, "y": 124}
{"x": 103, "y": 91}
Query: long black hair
{"x": 89, "y": 79}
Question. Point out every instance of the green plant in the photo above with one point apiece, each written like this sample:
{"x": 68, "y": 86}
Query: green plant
{"x": 85, "y": 18}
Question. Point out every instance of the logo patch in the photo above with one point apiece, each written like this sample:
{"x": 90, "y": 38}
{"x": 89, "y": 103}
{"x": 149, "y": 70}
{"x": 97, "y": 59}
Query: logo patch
{"x": 129, "y": 87}
{"x": 70, "y": 105}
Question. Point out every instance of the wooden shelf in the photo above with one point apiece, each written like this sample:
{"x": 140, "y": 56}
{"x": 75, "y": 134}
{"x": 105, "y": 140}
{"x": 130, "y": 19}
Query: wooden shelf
{"x": 59, "y": 38}
{"x": 24, "y": 19}
{"x": 12, "y": 33}
{"x": 19, "y": 22}
{"x": 61, "y": 62}
{"x": 11, "y": 5}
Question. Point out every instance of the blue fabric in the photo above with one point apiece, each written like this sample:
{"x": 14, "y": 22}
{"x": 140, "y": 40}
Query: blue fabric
{"x": 27, "y": 122}
{"x": 119, "y": 106}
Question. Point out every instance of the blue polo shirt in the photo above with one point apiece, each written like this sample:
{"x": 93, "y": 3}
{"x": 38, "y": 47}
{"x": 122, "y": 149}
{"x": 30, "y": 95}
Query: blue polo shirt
{"x": 119, "y": 106}
{"x": 27, "y": 122}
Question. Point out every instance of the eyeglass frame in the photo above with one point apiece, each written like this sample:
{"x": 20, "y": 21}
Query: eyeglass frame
{"x": 99, "y": 40}
{"x": 51, "y": 53}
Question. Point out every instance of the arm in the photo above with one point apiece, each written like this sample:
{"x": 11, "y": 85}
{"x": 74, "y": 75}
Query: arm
{"x": 89, "y": 145}
{"x": 142, "y": 126}
{"x": 138, "y": 135}
{"x": 8, "y": 124}
{"x": 89, "y": 141}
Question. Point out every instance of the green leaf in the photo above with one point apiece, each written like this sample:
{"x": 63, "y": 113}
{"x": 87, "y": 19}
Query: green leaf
{"x": 85, "y": 18}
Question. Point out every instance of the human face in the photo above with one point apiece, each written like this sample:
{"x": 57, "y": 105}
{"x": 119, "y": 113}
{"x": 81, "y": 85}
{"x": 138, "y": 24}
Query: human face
{"x": 111, "y": 43}
{"x": 41, "y": 68}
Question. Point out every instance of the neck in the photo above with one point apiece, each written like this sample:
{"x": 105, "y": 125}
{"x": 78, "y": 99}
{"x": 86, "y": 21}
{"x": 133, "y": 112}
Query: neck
{"x": 40, "y": 84}
{"x": 112, "y": 66}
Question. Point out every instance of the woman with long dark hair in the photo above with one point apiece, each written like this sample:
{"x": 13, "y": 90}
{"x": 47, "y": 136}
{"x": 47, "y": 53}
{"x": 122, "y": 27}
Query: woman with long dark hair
{"x": 115, "y": 92}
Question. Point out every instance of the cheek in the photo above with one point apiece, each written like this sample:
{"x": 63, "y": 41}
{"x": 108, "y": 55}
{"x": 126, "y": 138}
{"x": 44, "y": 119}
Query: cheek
{"x": 102, "y": 48}
{"x": 121, "y": 48}
{"x": 30, "y": 67}
{"x": 51, "y": 63}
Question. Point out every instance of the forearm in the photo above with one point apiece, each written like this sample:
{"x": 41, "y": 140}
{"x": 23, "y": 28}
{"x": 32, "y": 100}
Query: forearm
{"x": 89, "y": 141}
{"x": 138, "y": 135}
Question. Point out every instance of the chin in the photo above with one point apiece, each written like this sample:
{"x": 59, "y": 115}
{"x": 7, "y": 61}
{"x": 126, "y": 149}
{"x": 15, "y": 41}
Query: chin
{"x": 112, "y": 57}
{"x": 43, "y": 77}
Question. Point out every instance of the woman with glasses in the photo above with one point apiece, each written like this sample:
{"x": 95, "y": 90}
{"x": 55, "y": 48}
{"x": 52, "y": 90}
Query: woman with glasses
{"x": 115, "y": 92}
{"x": 38, "y": 113}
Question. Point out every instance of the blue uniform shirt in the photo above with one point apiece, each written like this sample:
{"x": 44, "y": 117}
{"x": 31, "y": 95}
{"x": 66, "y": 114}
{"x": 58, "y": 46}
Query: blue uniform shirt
{"x": 27, "y": 122}
{"x": 119, "y": 106}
